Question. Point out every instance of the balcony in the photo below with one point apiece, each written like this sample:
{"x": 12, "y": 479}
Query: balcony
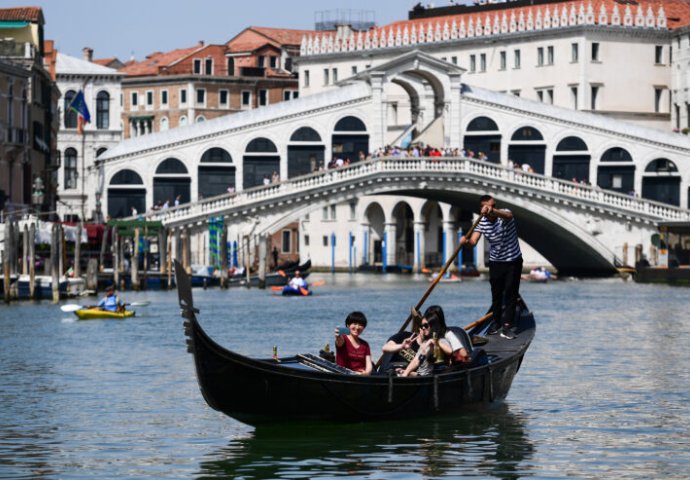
{"x": 12, "y": 49}
{"x": 16, "y": 136}
{"x": 252, "y": 71}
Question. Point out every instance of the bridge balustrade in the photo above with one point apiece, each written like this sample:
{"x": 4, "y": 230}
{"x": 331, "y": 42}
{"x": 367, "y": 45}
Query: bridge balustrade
{"x": 214, "y": 206}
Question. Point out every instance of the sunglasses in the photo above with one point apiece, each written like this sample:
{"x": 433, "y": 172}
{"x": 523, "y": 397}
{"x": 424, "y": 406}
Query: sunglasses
{"x": 424, "y": 325}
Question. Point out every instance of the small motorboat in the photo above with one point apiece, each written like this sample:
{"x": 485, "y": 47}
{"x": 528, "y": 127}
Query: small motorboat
{"x": 538, "y": 275}
{"x": 95, "y": 313}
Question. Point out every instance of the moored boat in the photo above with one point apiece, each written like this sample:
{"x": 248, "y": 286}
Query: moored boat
{"x": 307, "y": 387}
{"x": 97, "y": 314}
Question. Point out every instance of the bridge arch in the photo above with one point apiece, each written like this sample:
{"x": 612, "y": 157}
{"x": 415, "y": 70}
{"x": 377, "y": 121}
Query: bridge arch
{"x": 527, "y": 146}
{"x": 261, "y": 159}
{"x": 401, "y": 239}
{"x": 374, "y": 233}
{"x": 661, "y": 181}
{"x": 350, "y": 136}
{"x": 305, "y": 151}
{"x": 125, "y": 190}
{"x": 483, "y": 135}
{"x": 216, "y": 172}
{"x": 571, "y": 159}
{"x": 616, "y": 170}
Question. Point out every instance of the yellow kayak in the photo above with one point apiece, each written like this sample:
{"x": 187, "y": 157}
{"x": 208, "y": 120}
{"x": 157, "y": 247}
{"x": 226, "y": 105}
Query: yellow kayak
{"x": 97, "y": 313}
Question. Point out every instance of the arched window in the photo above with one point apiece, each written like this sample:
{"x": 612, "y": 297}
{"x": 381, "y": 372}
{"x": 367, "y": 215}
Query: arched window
{"x": 70, "y": 115}
{"x": 171, "y": 166}
{"x": 216, "y": 173}
{"x": 70, "y": 168}
{"x": 617, "y": 172}
{"x": 164, "y": 124}
{"x": 350, "y": 124}
{"x": 661, "y": 165}
{"x": 101, "y": 151}
{"x": 482, "y": 124}
{"x": 305, "y": 134}
{"x": 571, "y": 160}
{"x": 526, "y": 134}
{"x": 261, "y": 145}
{"x": 126, "y": 177}
{"x": 216, "y": 155}
{"x": 126, "y": 190}
{"x": 616, "y": 154}
{"x": 183, "y": 121}
{"x": 200, "y": 119}
{"x": 102, "y": 110}
{"x": 308, "y": 155}
{"x": 571, "y": 144}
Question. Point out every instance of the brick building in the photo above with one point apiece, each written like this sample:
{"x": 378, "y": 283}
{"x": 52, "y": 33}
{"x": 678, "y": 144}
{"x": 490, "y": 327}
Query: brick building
{"x": 191, "y": 85}
{"x": 28, "y": 120}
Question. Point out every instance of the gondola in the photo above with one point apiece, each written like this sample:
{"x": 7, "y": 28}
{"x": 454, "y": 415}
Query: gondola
{"x": 307, "y": 387}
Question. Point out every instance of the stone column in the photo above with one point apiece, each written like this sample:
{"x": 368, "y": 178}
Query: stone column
{"x": 419, "y": 246}
{"x": 378, "y": 125}
{"x": 366, "y": 241}
{"x": 391, "y": 244}
{"x": 452, "y": 115}
{"x": 450, "y": 233}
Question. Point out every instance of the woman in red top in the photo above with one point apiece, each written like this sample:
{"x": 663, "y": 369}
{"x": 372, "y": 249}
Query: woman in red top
{"x": 350, "y": 350}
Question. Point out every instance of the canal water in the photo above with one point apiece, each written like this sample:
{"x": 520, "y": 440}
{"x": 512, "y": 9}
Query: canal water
{"x": 604, "y": 391}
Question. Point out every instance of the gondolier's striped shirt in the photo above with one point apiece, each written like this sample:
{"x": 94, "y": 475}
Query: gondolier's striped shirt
{"x": 503, "y": 239}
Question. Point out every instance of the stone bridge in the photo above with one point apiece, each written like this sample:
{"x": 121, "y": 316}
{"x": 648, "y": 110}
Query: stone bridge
{"x": 578, "y": 228}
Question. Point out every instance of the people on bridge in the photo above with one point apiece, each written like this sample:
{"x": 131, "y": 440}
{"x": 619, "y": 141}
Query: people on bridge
{"x": 111, "y": 302}
{"x": 351, "y": 351}
{"x": 505, "y": 262}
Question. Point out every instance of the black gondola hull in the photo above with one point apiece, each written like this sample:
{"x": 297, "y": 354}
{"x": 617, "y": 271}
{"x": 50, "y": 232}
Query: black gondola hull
{"x": 257, "y": 391}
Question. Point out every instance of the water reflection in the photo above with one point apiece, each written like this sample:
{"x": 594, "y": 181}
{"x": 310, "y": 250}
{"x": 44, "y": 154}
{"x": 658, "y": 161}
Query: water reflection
{"x": 487, "y": 443}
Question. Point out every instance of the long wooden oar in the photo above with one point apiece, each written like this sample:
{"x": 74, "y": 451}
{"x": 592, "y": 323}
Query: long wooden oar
{"x": 448, "y": 263}
{"x": 438, "y": 278}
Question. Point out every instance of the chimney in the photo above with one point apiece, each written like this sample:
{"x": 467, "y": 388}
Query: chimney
{"x": 88, "y": 54}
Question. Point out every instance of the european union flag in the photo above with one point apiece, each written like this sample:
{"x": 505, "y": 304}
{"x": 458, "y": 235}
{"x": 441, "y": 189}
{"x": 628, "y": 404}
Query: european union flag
{"x": 78, "y": 105}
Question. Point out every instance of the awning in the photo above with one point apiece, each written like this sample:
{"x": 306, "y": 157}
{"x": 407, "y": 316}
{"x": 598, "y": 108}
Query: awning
{"x": 13, "y": 24}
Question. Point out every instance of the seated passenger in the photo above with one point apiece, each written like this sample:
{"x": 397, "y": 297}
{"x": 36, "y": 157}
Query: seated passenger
{"x": 401, "y": 348}
{"x": 111, "y": 302}
{"x": 424, "y": 361}
{"x": 351, "y": 351}
{"x": 459, "y": 346}
{"x": 297, "y": 281}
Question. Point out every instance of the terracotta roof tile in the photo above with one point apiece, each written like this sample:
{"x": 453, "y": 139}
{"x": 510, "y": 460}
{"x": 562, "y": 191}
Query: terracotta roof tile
{"x": 155, "y": 61}
{"x": 677, "y": 11}
{"x": 30, "y": 14}
{"x": 252, "y": 38}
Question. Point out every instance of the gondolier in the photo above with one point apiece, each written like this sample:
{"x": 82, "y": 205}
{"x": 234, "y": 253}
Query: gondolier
{"x": 505, "y": 262}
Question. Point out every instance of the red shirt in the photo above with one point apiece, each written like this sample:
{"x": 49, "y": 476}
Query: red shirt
{"x": 351, "y": 357}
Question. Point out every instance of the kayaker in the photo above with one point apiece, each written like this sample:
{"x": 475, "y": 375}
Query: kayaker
{"x": 297, "y": 281}
{"x": 111, "y": 302}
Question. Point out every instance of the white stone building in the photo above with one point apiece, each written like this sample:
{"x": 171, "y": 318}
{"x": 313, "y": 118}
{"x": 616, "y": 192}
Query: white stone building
{"x": 79, "y": 178}
{"x": 609, "y": 57}
{"x": 293, "y": 136}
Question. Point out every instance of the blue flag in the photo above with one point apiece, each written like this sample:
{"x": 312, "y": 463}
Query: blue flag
{"x": 78, "y": 105}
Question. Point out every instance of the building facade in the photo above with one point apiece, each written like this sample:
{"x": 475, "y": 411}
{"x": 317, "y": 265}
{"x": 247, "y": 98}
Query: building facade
{"x": 192, "y": 85}
{"x": 79, "y": 177}
{"x": 28, "y": 152}
{"x": 613, "y": 59}
{"x": 614, "y": 155}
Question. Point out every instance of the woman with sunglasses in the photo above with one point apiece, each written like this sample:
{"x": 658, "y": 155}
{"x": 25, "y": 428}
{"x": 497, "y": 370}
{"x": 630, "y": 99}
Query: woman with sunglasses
{"x": 351, "y": 351}
{"x": 423, "y": 363}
